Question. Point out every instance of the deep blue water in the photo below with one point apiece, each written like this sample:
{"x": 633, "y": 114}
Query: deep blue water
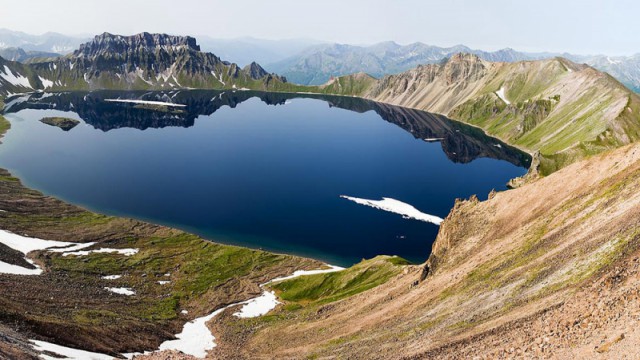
{"x": 236, "y": 169}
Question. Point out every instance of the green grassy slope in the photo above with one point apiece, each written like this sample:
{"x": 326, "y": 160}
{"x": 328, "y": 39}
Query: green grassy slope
{"x": 329, "y": 287}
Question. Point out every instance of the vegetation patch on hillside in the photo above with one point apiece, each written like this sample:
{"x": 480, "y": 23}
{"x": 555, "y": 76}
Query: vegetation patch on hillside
{"x": 329, "y": 287}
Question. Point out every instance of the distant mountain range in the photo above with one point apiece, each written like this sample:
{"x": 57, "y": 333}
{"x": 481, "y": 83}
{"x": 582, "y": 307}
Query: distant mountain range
{"x": 246, "y": 50}
{"x": 317, "y": 64}
{"x": 49, "y": 42}
{"x": 21, "y": 55}
{"x": 312, "y": 62}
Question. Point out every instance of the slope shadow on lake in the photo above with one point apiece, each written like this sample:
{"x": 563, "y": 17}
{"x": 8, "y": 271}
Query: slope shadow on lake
{"x": 460, "y": 142}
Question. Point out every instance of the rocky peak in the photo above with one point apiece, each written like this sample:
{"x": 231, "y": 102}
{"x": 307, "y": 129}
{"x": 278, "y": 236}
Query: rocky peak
{"x": 255, "y": 71}
{"x": 463, "y": 67}
{"x": 110, "y": 43}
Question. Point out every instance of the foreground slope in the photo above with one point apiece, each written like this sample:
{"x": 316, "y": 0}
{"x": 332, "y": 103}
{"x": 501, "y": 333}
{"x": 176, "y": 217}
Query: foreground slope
{"x": 555, "y": 107}
{"x": 549, "y": 269}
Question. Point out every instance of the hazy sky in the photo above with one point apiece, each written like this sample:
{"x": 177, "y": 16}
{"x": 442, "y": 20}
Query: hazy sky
{"x": 578, "y": 26}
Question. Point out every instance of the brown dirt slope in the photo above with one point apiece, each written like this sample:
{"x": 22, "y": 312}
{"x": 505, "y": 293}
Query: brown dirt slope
{"x": 548, "y": 270}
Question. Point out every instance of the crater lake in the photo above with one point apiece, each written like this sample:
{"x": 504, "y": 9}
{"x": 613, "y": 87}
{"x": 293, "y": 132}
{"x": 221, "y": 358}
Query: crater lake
{"x": 291, "y": 173}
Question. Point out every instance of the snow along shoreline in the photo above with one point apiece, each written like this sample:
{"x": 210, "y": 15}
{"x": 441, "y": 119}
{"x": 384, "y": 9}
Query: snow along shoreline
{"x": 397, "y": 207}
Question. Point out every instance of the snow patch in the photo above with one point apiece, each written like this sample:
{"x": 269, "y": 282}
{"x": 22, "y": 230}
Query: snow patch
{"x": 125, "y": 252}
{"x": 195, "y": 339}
{"x": 46, "y": 83}
{"x": 502, "y": 96}
{"x": 298, "y": 273}
{"x": 164, "y": 282}
{"x": 26, "y": 244}
{"x": 258, "y": 306}
{"x": 121, "y": 290}
{"x": 112, "y": 277}
{"x": 66, "y": 352}
{"x": 19, "y": 270}
{"x": 16, "y": 80}
{"x": 397, "y": 207}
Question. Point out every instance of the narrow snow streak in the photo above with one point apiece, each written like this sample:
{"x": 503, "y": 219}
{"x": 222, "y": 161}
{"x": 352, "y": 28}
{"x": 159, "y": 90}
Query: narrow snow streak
{"x": 25, "y": 245}
{"x": 112, "y": 277}
{"x": 297, "y": 273}
{"x": 125, "y": 252}
{"x": 397, "y": 207}
{"x": 121, "y": 291}
{"x": 502, "y": 96}
{"x": 160, "y": 103}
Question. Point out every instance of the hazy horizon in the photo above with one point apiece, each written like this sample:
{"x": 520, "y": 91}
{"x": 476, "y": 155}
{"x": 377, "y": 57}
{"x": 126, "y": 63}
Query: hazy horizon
{"x": 579, "y": 27}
